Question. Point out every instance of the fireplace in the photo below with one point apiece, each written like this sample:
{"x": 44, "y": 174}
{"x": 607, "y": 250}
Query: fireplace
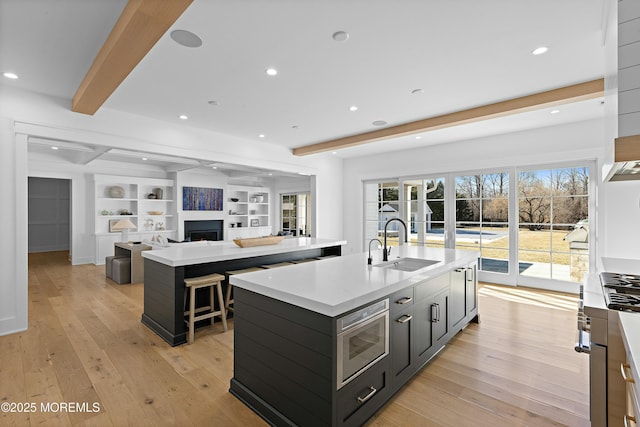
{"x": 203, "y": 230}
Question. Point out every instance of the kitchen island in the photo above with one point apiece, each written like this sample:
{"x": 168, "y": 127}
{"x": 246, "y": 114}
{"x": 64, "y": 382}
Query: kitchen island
{"x": 166, "y": 268}
{"x": 295, "y": 361}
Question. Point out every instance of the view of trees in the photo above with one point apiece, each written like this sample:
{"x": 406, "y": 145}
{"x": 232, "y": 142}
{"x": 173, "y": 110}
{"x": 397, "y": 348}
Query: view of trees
{"x": 556, "y": 196}
{"x": 487, "y": 194}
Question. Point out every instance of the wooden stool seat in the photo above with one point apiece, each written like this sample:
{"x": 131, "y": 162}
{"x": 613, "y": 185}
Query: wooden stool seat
{"x": 194, "y": 283}
{"x": 304, "y": 260}
{"x": 279, "y": 264}
{"x": 227, "y": 300}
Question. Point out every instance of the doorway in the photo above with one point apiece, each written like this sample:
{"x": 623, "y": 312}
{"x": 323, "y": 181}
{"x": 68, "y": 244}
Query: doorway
{"x": 49, "y": 215}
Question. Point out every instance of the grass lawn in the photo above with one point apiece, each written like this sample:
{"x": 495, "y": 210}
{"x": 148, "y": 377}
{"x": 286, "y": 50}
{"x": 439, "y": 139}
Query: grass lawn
{"x": 535, "y": 246}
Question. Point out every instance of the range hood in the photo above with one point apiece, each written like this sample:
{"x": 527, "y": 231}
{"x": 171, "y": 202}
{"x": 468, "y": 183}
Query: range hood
{"x": 626, "y": 159}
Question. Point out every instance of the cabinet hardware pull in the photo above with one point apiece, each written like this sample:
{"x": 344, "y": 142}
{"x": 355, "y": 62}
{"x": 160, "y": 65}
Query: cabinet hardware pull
{"x": 628, "y": 418}
{"x": 404, "y": 319}
{"x": 404, "y": 300}
{"x": 470, "y": 275}
{"x": 434, "y": 313}
{"x": 623, "y": 371}
{"x": 368, "y": 396}
{"x": 459, "y": 270}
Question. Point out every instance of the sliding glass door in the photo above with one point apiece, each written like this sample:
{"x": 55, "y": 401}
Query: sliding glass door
{"x": 553, "y": 229}
{"x": 482, "y": 218}
{"x": 530, "y": 226}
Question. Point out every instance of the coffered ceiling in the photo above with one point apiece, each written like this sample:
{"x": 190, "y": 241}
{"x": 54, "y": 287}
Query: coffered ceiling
{"x": 396, "y": 62}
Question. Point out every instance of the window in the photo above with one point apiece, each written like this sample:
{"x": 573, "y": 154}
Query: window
{"x": 482, "y": 218}
{"x": 295, "y": 212}
{"x": 553, "y": 230}
{"x": 382, "y": 202}
{"x": 426, "y": 207}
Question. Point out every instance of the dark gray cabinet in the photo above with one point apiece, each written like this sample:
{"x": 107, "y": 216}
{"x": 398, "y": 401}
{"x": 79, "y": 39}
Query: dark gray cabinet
{"x": 401, "y": 334}
{"x": 419, "y": 326}
{"x": 431, "y": 310}
{"x": 463, "y": 300}
{"x": 458, "y": 290}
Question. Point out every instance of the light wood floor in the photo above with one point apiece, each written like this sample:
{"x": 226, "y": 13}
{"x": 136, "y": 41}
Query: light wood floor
{"x": 85, "y": 343}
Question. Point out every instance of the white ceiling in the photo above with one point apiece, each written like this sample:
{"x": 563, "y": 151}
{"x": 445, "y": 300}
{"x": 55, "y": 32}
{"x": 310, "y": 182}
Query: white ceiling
{"x": 462, "y": 53}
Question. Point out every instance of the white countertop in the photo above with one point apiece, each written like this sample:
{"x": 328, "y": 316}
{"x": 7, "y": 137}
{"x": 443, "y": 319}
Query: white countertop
{"x": 191, "y": 253}
{"x": 336, "y": 285}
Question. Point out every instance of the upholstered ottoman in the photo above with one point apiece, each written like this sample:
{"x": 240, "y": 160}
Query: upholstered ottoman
{"x": 121, "y": 270}
{"x": 108, "y": 264}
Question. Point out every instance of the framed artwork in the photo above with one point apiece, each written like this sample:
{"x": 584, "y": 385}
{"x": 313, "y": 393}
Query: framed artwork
{"x": 113, "y": 222}
{"x": 255, "y": 222}
{"x": 201, "y": 199}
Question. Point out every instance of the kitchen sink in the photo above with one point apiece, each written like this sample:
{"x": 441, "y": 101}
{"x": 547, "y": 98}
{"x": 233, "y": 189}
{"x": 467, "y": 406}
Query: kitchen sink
{"x": 407, "y": 264}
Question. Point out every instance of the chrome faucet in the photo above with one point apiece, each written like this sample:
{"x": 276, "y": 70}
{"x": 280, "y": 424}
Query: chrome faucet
{"x": 385, "y": 251}
{"x": 372, "y": 240}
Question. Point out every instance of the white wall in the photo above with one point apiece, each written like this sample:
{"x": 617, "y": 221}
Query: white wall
{"x": 25, "y": 113}
{"x": 620, "y": 212}
{"x": 580, "y": 141}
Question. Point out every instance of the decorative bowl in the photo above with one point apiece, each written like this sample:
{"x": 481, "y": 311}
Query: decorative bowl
{"x": 116, "y": 192}
{"x": 234, "y": 199}
{"x": 155, "y": 212}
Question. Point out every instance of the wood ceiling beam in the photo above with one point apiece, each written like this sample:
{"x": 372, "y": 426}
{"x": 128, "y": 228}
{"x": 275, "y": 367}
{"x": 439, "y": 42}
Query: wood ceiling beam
{"x": 137, "y": 30}
{"x": 574, "y": 93}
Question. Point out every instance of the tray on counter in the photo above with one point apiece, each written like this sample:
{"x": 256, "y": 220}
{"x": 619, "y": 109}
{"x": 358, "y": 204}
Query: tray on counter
{"x": 258, "y": 241}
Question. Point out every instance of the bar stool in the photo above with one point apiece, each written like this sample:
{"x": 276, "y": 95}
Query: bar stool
{"x": 227, "y": 300}
{"x": 194, "y": 283}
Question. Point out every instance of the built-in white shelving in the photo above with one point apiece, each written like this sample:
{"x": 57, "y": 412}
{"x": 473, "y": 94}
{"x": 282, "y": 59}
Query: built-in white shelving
{"x": 248, "y": 212}
{"x": 149, "y": 203}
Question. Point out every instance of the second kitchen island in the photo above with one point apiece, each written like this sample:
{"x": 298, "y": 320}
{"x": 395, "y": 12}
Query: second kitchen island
{"x": 165, "y": 270}
{"x": 328, "y": 343}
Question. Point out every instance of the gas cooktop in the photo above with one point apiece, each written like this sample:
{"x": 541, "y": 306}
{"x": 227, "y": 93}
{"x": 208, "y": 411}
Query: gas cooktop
{"x": 621, "y": 291}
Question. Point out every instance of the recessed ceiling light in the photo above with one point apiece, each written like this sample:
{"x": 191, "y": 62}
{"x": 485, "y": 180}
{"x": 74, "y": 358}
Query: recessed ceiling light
{"x": 186, "y": 38}
{"x": 340, "y": 36}
{"x": 540, "y": 50}
{"x": 270, "y": 173}
{"x": 334, "y": 152}
{"x": 10, "y": 75}
{"x": 261, "y": 135}
{"x": 379, "y": 123}
{"x": 555, "y": 111}
{"x": 271, "y": 71}
{"x": 54, "y": 148}
{"x": 144, "y": 158}
{"x": 183, "y": 117}
{"x": 417, "y": 91}
{"x": 353, "y": 108}
{"x": 418, "y": 137}
{"x": 214, "y": 167}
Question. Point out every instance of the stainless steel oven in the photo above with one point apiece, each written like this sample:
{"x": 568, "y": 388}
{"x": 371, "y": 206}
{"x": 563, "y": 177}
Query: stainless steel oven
{"x": 362, "y": 340}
